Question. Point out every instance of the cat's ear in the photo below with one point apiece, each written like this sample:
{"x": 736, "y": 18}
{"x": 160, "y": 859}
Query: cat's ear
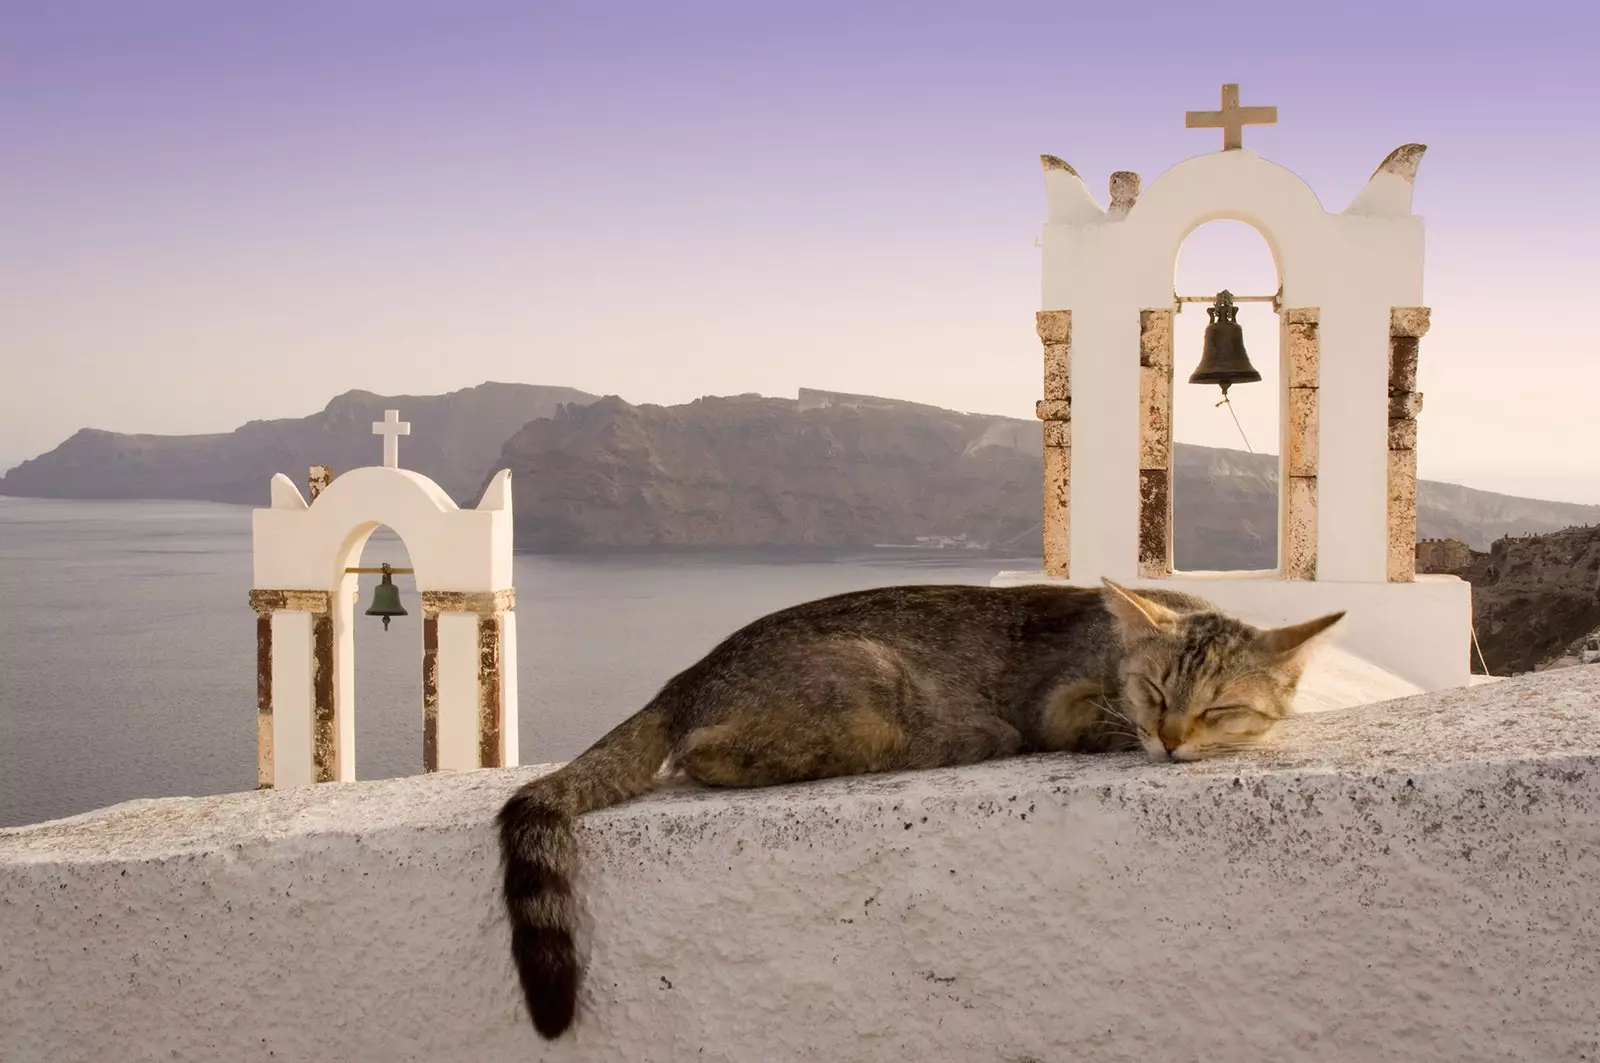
{"x": 1296, "y": 640}
{"x": 1134, "y": 613}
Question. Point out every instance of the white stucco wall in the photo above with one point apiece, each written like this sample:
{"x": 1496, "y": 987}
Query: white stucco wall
{"x": 303, "y": 546}
{"x": 1420, "y": 631}
{"x": 1415, "y": 881}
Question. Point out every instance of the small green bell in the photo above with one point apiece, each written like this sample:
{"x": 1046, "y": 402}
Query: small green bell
{"x": 1223, "y": 360}
{"x": 386, "y": 599}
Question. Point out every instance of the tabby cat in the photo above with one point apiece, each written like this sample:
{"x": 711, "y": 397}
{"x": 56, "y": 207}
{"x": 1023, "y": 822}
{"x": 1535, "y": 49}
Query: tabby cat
{"x": 893, "y": 679}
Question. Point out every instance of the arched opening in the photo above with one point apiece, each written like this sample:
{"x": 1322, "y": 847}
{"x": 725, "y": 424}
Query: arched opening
{"x": 1226, "y": 499}
{"x": 387, "y": 673}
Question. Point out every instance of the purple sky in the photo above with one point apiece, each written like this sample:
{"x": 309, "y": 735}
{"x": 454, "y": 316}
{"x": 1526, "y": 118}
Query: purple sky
{"x": 215, "y": 212}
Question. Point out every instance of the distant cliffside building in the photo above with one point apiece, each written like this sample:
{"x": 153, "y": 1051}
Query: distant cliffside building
{"x": 1443, "y": 555}
{"x": 814, "y": 399}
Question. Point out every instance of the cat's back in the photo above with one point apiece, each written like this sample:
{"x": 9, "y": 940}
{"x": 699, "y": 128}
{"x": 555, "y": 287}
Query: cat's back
{"x": 937, "y": 612}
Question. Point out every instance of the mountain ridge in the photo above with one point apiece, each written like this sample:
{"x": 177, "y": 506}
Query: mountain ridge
{"x": 455, "y": 439}
{"x": 826, "y": 469}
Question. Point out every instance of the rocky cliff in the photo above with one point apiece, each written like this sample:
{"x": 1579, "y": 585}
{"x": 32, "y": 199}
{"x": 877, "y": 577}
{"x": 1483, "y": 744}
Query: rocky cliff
{"x": 754, "y": 471}
{"x": 1532, "y": 596}
{"x": 852, "y": 471}
{"x": 455, "y": 438}
{"x": 827, "y": 470}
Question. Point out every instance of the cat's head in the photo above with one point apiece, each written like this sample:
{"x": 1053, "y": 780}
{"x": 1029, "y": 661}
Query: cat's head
{"x": 1198, "y": 684}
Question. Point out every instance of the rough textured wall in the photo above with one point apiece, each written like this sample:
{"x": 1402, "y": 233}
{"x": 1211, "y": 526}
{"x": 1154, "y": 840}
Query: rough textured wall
{"x": 1412, "y": 881}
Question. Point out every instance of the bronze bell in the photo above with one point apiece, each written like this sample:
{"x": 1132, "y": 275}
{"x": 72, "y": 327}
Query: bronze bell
{"x": 386, "y": 599}
{"x": 1223, "y": 360}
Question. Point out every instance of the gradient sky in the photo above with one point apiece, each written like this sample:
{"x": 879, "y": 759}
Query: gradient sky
{"x": 213, "y": 212}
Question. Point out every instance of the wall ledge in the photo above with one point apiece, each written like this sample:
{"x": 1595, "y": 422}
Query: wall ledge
{"x": 1415, "y": 880}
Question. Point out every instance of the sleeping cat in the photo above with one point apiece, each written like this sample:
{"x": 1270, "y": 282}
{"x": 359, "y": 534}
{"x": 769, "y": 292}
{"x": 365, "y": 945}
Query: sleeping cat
{"x": 894, "y": 679}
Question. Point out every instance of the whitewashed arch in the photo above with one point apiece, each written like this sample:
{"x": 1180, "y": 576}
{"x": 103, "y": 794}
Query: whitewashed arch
{"x": 1351, "y": 306}
{"x": 305, "y": 599}
{"x": 301, "y": 545}
{"x": 1354, "y": 268}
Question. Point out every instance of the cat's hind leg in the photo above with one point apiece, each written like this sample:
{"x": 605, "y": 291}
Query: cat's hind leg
{"x": 828, "y": 709}
{"x": 761, "y": 751}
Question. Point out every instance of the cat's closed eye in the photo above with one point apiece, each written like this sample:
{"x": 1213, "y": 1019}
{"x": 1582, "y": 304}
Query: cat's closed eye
{"x": 1235, "y": 714}
{"x": 1158, "y": 697}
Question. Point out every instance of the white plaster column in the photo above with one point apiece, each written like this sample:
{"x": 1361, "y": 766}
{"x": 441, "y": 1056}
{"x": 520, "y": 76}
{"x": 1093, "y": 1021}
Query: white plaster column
{"x": 297, "y": 734}
{"x": 469, "y": 686}
{"x": 1105, "y": 472}
{"x": 345, "y": 600}
{"x": 1352, "y": 444}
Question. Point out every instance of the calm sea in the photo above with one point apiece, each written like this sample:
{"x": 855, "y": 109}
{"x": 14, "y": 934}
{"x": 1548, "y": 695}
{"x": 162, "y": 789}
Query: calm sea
{"x": 127, "y": 646}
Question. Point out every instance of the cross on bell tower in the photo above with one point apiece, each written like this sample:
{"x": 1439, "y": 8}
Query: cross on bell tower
{"x": 391, "y": 428}
{"x": 1231, "y": 119}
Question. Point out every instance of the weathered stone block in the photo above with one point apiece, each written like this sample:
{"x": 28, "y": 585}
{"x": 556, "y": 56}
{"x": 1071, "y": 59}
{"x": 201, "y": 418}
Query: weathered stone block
{"x": 1403, "y": 434}
{"x": 1155, "y": 338}
{"x": 1404, "y": 405}
{"x": 1054, "y": 326}
{"x": 1155, "y": 523}
{"x": 1299, "y": 546}
{"x": 321, "y": 476}
{"x": 1412, "y": 321}
{"x": 1402, "y": 363}
{"x": 1302, "y": 436}
{"x": 1057, "y": 371}
{"x": 1302, "y": 315}
{"x": 1053, "y": 409}
{"x": 1124, "y": 193}
{"x": 1402, "y": 516}
{"x": 1155, "y": 417}
{"x": 1057, "y": 509}
{"x": 1304, "y": 344}
{"x": 1058, "y": 433}
{"x": 265, "y": 601}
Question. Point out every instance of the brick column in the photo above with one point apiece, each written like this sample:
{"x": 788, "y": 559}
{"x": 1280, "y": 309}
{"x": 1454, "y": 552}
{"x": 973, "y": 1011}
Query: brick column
{"x": 1297, "y": 527}
{"x": 1407, "y": 326}
{"x": 1155, "y": 444}
{"x": 1055, "y": 410}
{"x": 271, "y": 675}
{"x": 456, "y": 661}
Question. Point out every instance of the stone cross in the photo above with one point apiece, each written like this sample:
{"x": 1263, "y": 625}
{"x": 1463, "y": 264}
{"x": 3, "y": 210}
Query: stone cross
{"x": 391, "y": 428}
{"x": 1231, "y": 119}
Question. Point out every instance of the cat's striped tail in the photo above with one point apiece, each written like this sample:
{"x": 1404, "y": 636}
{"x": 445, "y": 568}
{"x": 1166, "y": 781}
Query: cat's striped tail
{"x": 539, "y": 855}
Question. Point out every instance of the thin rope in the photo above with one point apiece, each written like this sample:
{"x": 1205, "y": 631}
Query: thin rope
{"x": 1481, "y": 662}
{"x": 1236, "y": 423}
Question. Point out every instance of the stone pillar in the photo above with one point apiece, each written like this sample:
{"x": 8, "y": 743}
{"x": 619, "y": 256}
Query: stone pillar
{"x": 1055, "y": 410}
{"x": 263, "y": 700}
{"x": 321, "y": 476}
{"x": 1155, "y": 444}
{"x": 1301, "y": 361}
{"x": 468, "y": 698}
{"x": 1407, "y": 326}
{"x": 295, "y": 687}
{"x": 1124, "y": 193}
